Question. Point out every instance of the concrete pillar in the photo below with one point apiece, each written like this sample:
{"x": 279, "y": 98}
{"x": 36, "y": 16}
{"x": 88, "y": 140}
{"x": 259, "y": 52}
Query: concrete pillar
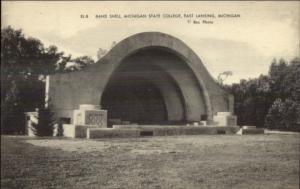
{"x": 90, "y": 115}
{"x": 225, "y": 119}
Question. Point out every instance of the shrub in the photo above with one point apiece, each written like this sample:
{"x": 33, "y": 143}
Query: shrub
{"x": 283, "y": 115}
{"x": 12, "y": 111}
{"x": 45, "y": 124}
{"x": 60, "y": 130}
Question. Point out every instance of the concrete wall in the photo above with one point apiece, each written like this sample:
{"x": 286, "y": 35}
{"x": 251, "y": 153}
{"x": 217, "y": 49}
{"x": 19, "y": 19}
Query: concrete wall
{"x": 167, "y": 86}
{"x": 201, "y": 93}
{"x": 175, "y": 68}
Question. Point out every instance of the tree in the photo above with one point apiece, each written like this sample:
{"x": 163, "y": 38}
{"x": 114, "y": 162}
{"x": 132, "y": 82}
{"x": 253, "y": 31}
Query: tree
{"x": 60, "y": 130}
{"x": 12, "y": 117}
{"x": 25, "y": 57}
{"x": 223, "y": 76}
{"x": 79, "y": 63}
{"x": 251, "y": 100}
{"x": 113, "y": 44}
{"x": 290, "y": 82}
{"x": 283, "y": 115}
{"x": 23, "y": 62}
{"x": 277, "y": 72}
{"x": 100, "y": 53}
{"x": 256, "y": 100}
{"x": 62, "y": 63}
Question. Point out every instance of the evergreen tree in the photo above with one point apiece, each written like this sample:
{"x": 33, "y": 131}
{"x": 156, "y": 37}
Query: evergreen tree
{"x": 45, "y": 125}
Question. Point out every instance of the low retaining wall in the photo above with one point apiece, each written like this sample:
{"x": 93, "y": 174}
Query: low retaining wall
{"x": 76, "y": 131}
{"x": 122, "y": 131}
{"x": 178, "y": 130}
{"x": 93, "y": 133}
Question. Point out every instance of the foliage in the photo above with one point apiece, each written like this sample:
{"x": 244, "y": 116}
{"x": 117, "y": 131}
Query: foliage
{"x": 251, "y": 100}
{"x": 285, "y": 85}
{"x": 12, "y": 117}
{"x": 25, "y": 57}
{"x": 285, "y": 79}
{"x": 23, "y": 61}
{"x": 270, "y": 100}
{"x": 24, "y": 64}
{"x": 101, "y": 52}
{"x": 223, "y": 76}
{"x": 78, "y": 63}
{"x": 283, "y": 115}
{"x": 45, "y": 124}
{"x": 60, "y": 130}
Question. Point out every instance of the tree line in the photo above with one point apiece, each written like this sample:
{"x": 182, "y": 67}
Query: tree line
{"x": 271, "y": 101}
{"x": 25, "y": 62}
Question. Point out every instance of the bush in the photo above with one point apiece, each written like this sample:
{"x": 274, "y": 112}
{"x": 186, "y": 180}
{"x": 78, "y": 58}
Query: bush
{"x": 283, "y": 115}
{"x": 60, "y": 130}
{"x": 12, "y": 112}
{"x": 45, "y": 124}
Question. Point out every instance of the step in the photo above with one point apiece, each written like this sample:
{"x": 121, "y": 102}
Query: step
{"x": 132, "y": 126}
{"x": 124, "y": 131}
{"x": 76, "y": 131}
{"x": 249, "y": 127}
{"x": 115, "y": 121}
{"x": 125, "y": 122}
{"x": 167, "y": 130}
{"x": 93, "y": 133}
{"x": 251, "y": 131}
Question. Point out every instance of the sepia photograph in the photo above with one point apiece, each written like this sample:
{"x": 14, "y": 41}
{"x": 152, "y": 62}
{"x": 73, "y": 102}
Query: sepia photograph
{"x": 150, "y": 94}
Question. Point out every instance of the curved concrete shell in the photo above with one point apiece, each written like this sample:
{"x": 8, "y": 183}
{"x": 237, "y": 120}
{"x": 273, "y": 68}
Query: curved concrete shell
{"x": 148, "y": 78}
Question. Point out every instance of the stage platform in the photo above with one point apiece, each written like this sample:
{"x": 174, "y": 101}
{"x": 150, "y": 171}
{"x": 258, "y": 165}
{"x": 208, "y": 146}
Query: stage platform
{"x": 121, "y": 131}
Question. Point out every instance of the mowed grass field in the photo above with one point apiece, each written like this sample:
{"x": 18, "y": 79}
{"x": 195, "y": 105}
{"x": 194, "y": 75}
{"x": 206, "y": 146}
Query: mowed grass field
{"x": 187, "y": 162}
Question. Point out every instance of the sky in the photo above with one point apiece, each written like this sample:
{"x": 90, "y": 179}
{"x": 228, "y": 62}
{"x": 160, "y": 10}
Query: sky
{"x": 245, "y": 45}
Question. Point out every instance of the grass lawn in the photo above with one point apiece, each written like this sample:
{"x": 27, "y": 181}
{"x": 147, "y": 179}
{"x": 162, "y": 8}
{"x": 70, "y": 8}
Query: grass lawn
{"x": 203, "y": 161}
